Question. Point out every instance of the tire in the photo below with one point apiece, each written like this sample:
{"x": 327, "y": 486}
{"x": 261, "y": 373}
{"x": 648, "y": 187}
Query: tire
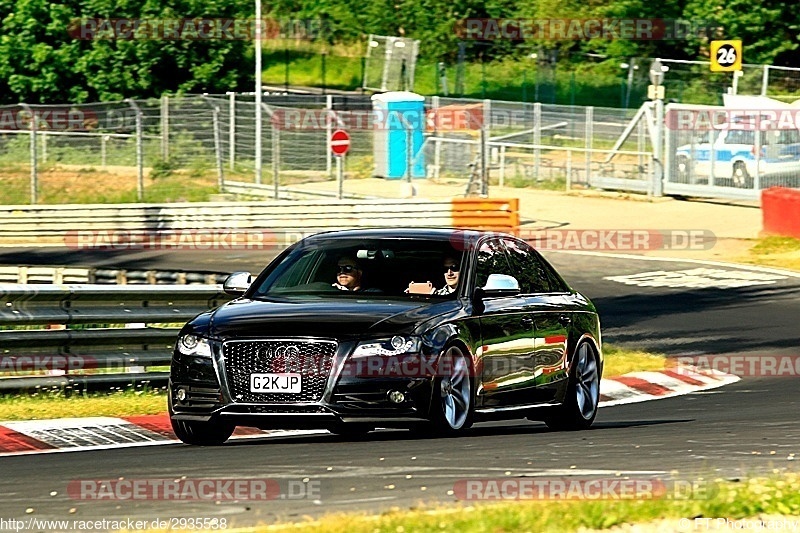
{"x": 740, "y": 177}
{"x": 452, "y": 400}
{"x": 212, "y": 433}
{"x": 684, "y": 168}
{"x": 350, "y": 430}
{"x": 583, "y": 393}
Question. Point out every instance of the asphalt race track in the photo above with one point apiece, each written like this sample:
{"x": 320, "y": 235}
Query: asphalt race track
{"x": 681, "y": 308}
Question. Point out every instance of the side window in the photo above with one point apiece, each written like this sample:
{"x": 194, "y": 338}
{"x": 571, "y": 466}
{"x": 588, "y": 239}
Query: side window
{"x": 491, "y": 260}
{"x": 528, "y": 268}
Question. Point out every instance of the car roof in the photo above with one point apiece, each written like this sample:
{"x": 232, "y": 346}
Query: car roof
{"x": 445, "y": 234}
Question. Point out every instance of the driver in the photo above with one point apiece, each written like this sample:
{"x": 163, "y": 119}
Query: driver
{"x": 348, "y": 274}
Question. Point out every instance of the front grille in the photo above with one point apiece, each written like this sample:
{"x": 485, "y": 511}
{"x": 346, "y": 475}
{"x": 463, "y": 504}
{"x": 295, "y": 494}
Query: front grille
{"x": 312, "y": 359}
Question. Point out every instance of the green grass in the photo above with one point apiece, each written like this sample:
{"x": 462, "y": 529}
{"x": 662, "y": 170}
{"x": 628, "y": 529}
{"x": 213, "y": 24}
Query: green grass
{"x": 47, "y": 405}
{"x": 773, "y": 496}
{"x": 775, "y": 251}
{"x": 776, "y": 245}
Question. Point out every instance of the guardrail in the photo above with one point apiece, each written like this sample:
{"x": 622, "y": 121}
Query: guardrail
{"x": 48, "y": 274}
{"x": 85, "y": 351}
{"x": 85, "y": 226}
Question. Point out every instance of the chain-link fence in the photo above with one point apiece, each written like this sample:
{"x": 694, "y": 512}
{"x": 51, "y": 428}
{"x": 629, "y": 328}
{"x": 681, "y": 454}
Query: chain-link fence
{"x": 191, "y": 147}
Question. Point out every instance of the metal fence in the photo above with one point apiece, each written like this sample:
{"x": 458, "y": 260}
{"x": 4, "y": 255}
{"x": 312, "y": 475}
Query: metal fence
{"x": 190, "y": 147}
{"x": 134, "y": 150}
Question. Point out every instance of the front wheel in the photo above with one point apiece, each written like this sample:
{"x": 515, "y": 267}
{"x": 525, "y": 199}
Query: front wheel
{"x": 452, "y": 398}
{"x": 212, "y": 433}
{"x": 583, "y": 394}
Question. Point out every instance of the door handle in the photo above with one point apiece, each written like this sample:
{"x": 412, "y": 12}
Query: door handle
{"x": 565, "y": 320}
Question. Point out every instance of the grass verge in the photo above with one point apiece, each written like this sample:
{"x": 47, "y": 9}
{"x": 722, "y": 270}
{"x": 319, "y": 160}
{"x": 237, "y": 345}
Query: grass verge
{"x": 775, "y": 251}
{"x": 775, "y": 497}
{"x": 55, "y": 404}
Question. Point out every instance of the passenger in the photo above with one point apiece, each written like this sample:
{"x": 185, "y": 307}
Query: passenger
{"x": 348, "y": 274}
{"x": 451, "y": 276}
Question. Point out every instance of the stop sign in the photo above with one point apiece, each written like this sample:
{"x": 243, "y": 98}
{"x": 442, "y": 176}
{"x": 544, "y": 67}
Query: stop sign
{"x": 340, "y": 142}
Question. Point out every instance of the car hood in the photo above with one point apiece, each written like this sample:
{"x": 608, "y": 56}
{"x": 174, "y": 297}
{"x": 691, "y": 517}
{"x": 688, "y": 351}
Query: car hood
{"x": 329, "y": 317}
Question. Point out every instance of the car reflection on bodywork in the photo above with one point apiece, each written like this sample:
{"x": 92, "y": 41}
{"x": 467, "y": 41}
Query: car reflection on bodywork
{"x": 297, "y": 350}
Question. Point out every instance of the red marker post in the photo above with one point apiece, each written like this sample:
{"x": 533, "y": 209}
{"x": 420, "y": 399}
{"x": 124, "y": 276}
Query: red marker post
{"x": 340, "y": 144}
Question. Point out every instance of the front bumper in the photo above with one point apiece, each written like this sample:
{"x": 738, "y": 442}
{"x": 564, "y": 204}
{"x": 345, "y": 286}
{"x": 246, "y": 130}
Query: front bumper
{"x": 200, "y": 389}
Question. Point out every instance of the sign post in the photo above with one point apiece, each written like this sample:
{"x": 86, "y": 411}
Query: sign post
{"x": 340, "y": 144}
{"x": 726, "y": 56}
{"x": 656, "y": 92}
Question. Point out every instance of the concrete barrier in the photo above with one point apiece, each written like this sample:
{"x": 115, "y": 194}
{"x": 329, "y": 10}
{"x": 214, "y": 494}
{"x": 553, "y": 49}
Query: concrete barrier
{"x": 780, "y": 208}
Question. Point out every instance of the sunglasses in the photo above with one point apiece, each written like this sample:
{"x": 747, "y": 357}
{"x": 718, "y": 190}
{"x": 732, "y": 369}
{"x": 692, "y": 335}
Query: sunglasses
{"x": 454, "y": 268}
{"x": 345, "y": 269}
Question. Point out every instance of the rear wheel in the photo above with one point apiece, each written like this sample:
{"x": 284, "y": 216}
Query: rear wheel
{"x": 212, "y": 433}
{"x": 583, "y": 393}
{"x": 684, "y": 169}
{"x": 452, "y": 399}
{"x": 741, "y": 178}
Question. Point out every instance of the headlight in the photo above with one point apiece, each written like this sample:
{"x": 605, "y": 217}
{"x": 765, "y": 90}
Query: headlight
{"x": 397, "y": 345}
{"x": 194, "y": 345}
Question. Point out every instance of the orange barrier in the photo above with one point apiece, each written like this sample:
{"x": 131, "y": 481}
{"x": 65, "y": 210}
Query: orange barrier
{"x": 780, "y": 209}
{"x": 493, "y": 214}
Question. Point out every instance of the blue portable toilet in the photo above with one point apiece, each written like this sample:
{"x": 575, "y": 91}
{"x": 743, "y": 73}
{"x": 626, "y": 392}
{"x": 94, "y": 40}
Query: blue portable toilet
{"x": 395, "y": 113}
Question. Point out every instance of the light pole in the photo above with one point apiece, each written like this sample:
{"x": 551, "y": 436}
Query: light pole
{"x": 258, "y": 91}
{"x": 631, "y": 67}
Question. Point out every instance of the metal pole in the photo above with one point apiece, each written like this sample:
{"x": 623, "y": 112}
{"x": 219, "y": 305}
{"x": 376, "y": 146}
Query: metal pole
{"x": 276, "y": 159}
{"x": 232, "y": 130}
{"x": 735, "y": 82}
{"x": 569, "y": 170}
{"x": 340, "y": 174}
{"x": 765, "y": 80}
{"x": 537, "y": 138}
{"x": 437, "y": 144}
{"x": 165, "y": 127}
{"x": 409, "y": 149}
{"x": 139, "y": 150}
{"x": 589, "y": 133}
{"x": 484, "y": 160}
{"x": 44, "y": 147}
{"x": 34, "y": 175}
{"x": 658, "y": 174}
{"x": 328, "y": 133}
{"x": 258, "y": 92}
{"x": 218, "y": 149}
{"x": 502, "y": 165}
{"x": 103, "y": 142}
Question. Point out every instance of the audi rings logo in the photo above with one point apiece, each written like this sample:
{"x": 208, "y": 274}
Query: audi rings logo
{"x": 283, "y": 358}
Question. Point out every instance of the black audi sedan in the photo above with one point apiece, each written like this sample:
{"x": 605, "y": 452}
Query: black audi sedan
{"x": 431, "y": 329}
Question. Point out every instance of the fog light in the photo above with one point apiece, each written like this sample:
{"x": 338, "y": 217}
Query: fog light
{"x": 396, "y": 396}
{"x": 181, "y": 395}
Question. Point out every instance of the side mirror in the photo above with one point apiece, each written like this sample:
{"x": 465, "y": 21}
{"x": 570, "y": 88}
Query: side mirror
{"x": 496, "y": 285}
{"x": 237, "y": 283}
{"x": 500, "y": 285}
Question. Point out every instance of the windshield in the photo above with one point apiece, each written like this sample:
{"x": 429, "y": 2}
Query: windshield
{"x": 380, "y": 267}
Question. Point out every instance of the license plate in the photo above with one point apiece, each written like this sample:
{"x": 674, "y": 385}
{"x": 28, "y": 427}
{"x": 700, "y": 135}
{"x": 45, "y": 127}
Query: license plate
{"x": 285, "y": 383}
